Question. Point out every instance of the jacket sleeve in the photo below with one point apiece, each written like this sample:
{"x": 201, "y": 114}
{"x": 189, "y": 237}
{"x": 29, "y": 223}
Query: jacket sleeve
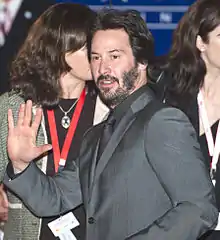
{"x": 179, "y": 165}
{"x": 47, "y": 196}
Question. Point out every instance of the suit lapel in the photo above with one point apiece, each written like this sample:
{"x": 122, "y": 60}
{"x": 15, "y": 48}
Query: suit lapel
{"x": 119, "y": 132}
{"x": 116, "y": 137}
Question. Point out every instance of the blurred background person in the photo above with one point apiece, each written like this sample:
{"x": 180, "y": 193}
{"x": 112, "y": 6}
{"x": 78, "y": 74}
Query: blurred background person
{"x": 52, "y": 69}
{"x": 191, "y": 81}
{"x": 16, "y": 17}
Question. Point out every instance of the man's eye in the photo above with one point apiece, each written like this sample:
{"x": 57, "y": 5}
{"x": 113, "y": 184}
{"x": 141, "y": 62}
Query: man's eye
{"x": 115, "y": 56}
{"x": 95, "y": 58}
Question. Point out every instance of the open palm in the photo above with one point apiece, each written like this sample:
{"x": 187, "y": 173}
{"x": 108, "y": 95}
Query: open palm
{"x": 22, "y": 147}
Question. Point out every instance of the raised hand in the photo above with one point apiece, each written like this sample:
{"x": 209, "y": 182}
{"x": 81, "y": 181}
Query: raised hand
{"x": 22, "y": 147}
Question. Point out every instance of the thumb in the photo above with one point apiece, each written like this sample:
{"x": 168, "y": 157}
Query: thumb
{"x": 43, "y": 149}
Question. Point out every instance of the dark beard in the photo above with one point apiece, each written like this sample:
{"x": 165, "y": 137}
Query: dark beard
{"x": 113, "y": 99}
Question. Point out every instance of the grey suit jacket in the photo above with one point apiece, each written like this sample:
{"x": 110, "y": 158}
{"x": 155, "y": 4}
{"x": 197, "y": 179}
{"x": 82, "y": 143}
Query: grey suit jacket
{"x": 150, "y": 182}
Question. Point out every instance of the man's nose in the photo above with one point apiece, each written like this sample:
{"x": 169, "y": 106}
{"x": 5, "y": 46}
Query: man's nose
{"x": 104, "y": 68}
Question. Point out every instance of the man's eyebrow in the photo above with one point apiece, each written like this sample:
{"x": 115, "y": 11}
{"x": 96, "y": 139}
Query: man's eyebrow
{"x": 116, "y": 50}
{"x": 110, "y": 51}
{"x": 94, "y": 53}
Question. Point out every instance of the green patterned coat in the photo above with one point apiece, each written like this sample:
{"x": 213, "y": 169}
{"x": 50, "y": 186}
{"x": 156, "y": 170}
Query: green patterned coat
{"x": 22, "y": 224}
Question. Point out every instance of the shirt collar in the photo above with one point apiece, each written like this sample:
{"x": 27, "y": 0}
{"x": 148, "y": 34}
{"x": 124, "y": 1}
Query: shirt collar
{"x": 120, "y": 110}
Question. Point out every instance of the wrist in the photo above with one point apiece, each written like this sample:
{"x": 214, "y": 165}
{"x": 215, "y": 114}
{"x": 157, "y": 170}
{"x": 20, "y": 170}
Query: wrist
{"x": 19, "y": 166}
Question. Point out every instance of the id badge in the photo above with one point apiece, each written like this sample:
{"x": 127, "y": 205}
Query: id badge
{"x": 68, "y": 235}
{"x": 61, "y": 227}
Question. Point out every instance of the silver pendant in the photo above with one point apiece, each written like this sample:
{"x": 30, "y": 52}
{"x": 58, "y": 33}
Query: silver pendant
{"x": 65, "y": 121}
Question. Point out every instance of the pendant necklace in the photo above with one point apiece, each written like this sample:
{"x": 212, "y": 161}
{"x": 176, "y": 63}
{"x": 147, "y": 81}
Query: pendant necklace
{"x": 65, "y": 121}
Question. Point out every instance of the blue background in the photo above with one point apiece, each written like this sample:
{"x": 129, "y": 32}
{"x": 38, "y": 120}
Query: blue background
{"x": 161, "y": 16}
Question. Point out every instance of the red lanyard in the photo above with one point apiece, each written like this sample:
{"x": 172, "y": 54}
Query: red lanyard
{"x": 214, "y": 148}
{"x": 60, "y": 157}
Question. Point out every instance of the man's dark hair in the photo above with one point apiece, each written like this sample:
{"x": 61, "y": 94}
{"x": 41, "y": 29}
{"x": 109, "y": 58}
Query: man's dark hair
{"x": 131, "y": 22}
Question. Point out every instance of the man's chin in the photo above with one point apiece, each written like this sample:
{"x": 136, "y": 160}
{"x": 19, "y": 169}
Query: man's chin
{"x": 106, "y": 94}
{"x": 106, "y": 99}
{"x": 111, "y": 101}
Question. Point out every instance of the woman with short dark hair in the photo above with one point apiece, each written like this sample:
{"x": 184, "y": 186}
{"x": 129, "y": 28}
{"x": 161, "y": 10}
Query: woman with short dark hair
{"x": 52, "y": 70}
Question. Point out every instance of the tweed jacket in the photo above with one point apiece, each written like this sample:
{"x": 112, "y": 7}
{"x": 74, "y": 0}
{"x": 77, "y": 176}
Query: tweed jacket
{"x": 22, "y": 224}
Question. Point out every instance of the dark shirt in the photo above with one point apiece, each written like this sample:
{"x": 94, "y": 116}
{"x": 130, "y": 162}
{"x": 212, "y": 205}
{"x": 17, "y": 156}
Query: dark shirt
{"x": 85, "y": 122}
{"x": 204, "y": 148}
{"x": 204, "y": 145}
{"x": 211, "y": 235}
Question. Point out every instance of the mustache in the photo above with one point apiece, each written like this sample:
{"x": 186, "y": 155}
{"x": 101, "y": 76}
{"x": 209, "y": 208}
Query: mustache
{"x": 107, "y": 77}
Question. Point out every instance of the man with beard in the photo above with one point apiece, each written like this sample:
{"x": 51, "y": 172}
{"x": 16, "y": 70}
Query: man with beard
{"x": 142, "y": 175}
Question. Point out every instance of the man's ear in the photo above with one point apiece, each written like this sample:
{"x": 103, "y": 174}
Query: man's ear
{"x": 200, "y": 44}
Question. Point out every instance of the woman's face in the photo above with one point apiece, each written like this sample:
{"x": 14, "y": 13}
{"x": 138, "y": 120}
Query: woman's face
{"x": 210, "y": 50}
{"x": 78, "y": 61}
